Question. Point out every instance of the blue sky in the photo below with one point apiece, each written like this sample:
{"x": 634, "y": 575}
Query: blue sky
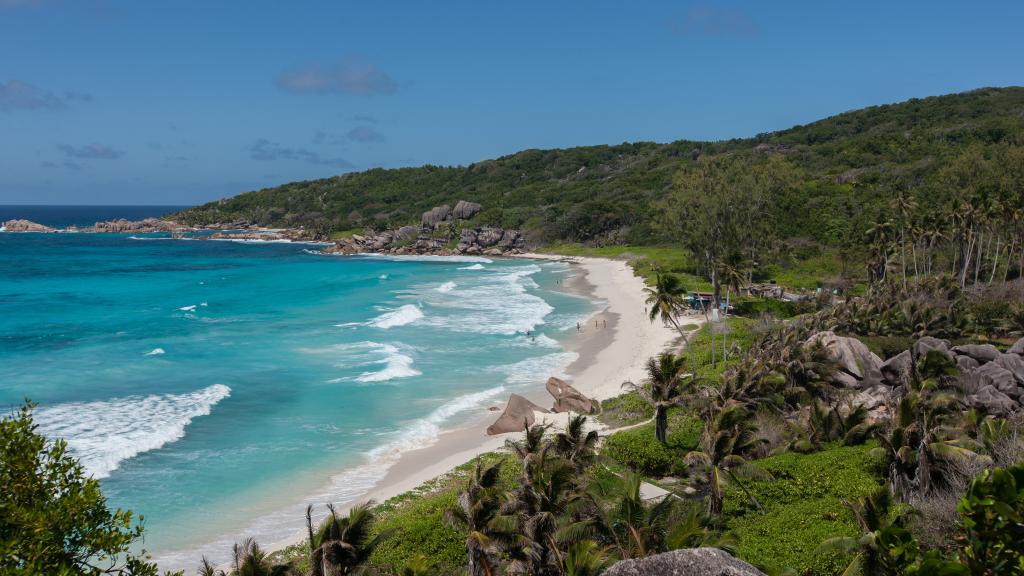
{"x": 127, "y": 102}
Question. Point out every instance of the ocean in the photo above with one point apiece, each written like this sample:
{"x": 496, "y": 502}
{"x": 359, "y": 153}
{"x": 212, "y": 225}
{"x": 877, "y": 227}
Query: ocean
{"x": 218, "y": 386}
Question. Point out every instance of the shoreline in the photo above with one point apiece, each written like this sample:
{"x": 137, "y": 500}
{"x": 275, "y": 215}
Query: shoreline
{"x": 608, "y": 355}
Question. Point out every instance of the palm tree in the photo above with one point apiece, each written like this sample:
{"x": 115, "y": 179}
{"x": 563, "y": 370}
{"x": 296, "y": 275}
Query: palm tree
{"x": 662, "y": 389}
{"x": 873, "y": 516}
{"x": 665, "y": 300}
{"x": 341, "y": 544}
{"x": 475, "y": 509}
{"x": 633, "y": 527}
{"x": 693, "y": 529}
{"x": 249, "y": 560}
{"x": 724, "y": 446}
{"x": 207, "y": 569}
{"x": 585, "y": 558}
{"x": 531, "y": 450}
{"x": 576, "y": 444}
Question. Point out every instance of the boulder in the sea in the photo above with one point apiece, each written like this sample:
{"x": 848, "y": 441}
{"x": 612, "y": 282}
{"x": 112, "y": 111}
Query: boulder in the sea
{"x": 25, "y": 226}
{"x": 465, "y": 210}
{"x": 685, "y": 562}
{"x": 981, "y": 352}
{"x": 517, "y": 416}
{"x": 858, "y": 366}
{"x": 569, "y": 399}
{"x": 436, "y": 216}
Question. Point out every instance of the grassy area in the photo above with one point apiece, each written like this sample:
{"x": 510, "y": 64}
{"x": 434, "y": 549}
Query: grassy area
{"x": 625, "y": 410}
{"x": 802, "y": 507}
{"x": 637, "y": 449}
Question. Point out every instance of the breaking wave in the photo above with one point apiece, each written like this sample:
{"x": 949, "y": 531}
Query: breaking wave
{"x": 103, "y": 434}
{"x": 401, "y": 316}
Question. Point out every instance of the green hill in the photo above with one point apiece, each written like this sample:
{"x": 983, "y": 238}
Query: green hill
{"x": 848, "y": 167}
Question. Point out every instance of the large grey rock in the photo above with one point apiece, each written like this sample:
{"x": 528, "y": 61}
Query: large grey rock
{"x": 992, "y": 401}
{"x": 1017, "y": 348}
{"x": 517, "y": 416}
{"x": 981, "y": 352}
{"x": 407, "y": 233}
{"x": 858, "y": 365}
{"x": 899, "y": 369}
{"x": 435, "y": 216}
{"x": 685, "y": 562}
{"x": 569, "y": 399}
{"x": 966, "y": 363}
{"x": 488, "y": 237}
{"x": 1012, "y": 363}
{"x": 992, "y": 375}
{"x": 508, "y": 238}
{"x": 465, "y": 210}
{"x": 875, "y": 399}
{"x": 926, "y": 343}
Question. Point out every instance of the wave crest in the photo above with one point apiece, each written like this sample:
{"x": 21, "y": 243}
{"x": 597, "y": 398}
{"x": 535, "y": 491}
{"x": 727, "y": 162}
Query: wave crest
{"x": 102, "y": 434}
{"x": 401, "y": 316}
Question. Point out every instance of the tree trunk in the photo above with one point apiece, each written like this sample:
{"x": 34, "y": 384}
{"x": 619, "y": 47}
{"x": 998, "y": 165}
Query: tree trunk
{"x": 661, "y": 423}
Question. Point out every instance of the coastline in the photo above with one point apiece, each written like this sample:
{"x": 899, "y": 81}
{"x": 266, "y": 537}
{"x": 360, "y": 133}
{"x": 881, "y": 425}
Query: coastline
{"x": 608, "y": 355}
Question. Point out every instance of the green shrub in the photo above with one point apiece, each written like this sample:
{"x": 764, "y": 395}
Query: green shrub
{"x": 887, "y": 346}
{"x": 637, "y": 448}
{"x": 755, "y": 307}
{"x": 802, "y": 507}
{"x": 625, "y": 409}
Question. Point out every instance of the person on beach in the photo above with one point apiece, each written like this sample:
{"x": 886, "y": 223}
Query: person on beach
{"x": 577, "y": 326}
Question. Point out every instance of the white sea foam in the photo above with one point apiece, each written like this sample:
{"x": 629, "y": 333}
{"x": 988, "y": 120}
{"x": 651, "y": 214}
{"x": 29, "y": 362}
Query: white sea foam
{"x": 446, "y": 287}
{"x": 396, "y": 365}
{"x": 473, "y": 267}
{"x": 155, "y": 352}
{"x": 534, "y": 371}
{"x": 102, "y": 434}
{"x": 383, "y": 276}
{"x": 538, "y": 341}
{"x": 401, "y": 316}
{"x": 492, "y": 303}
{"x": 191, "y": 308}
{"x": 426, "y": 258}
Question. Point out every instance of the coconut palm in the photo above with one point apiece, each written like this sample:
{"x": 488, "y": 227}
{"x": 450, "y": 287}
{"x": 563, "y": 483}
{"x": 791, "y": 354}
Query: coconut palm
{"x": 585, "y": 558}
{"x": 249, "y": 560}
{"x": 665, "y": 300}
{"x": 693, "y": 529}
{"x": 342, "y": 544}
{"x": 633, "y": 527}
{"x": 208, "y": 569}
{"x": 576, "y": 444}
{"x": 475, "y": 509}
{"x": 531, "y": 450}
{"x": 873, "y": 516}
{"x": 663, "y": 388}
{"x": 724, "y": 447}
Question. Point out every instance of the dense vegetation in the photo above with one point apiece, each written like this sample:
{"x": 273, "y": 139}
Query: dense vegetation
{"x": 844, "y": 171}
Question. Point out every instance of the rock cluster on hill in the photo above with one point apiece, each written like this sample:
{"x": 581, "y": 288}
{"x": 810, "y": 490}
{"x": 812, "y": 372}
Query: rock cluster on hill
{"x": 432, "y": 237}
{"x": 992, "y": 380}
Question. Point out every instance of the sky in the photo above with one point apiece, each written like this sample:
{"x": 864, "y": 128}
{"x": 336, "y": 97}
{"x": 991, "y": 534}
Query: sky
{"x": 128, "y": 102}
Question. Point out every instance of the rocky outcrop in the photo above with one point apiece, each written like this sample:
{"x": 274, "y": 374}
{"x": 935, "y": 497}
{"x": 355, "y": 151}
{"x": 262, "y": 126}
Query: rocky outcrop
{"x": 465, "y": 210}
{"x": 899, "y": 369}
{"x": 1013, "y": 364}
{"x": 1017, "y": 348}
{"x": 858, "y": 366}
{"x": 25, "y": 226}
{"x": 122, "y": 226}
{"x": 923, "y": 345}
{"x": 569, "y": 399}
{"x": 436, "y": 216}
{"x": 517, "y": 416}
{"x": 981, "y": 352}
{"x": 685, "y": 562}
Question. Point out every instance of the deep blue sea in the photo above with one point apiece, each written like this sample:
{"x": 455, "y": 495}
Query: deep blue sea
{"x": 217, "y": 386}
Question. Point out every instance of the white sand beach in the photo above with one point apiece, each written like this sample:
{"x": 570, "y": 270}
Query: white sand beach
{"x": 613, "y": 346}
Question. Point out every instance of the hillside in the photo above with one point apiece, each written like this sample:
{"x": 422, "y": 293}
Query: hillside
{"x": 848, "y": 166}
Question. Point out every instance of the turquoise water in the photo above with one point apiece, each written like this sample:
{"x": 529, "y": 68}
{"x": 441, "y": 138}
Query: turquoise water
{"x": 218, "y": 386}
